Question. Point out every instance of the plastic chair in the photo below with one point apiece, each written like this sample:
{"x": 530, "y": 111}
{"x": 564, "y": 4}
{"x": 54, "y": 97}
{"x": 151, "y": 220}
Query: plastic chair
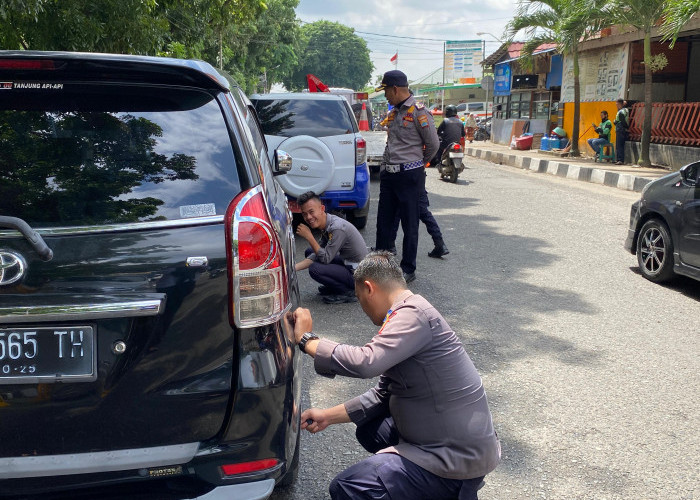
{"x": 602, "y": 156}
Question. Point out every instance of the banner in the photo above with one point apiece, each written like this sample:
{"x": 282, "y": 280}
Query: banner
{"x": 462, "y": 61}
{"x": 602, "y": 74}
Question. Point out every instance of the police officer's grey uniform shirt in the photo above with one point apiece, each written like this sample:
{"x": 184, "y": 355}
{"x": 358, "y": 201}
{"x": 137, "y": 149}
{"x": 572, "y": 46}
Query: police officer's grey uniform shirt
{"x": 343, "y": 239}
{"x": 409, "y": 127}
{"x": 428, "y": 384}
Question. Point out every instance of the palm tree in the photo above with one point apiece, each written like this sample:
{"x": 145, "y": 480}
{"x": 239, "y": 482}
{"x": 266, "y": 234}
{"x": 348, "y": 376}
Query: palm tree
{"x": 678, "y": 13}
{"x": 642, "y": 15}
{"x": 564, "y": 22}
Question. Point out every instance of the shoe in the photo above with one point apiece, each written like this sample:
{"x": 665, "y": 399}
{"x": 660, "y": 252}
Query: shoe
{"x": 618, "y": 163}
{"x": 341, "y": 298}
{"x": 392, "y": 250}
{"x": 409, "y": 277}
{"x": 327, "y": 290}
{"x": 439, "y": 250}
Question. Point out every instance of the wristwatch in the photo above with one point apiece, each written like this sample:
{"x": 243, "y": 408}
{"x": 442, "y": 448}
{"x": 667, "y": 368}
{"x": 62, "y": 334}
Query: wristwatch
{"x": 305, "y": 338}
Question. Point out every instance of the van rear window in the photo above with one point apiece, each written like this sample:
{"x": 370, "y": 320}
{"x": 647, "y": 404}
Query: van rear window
{"x": 106, "y": 154}
{"x": 293, "y": 117}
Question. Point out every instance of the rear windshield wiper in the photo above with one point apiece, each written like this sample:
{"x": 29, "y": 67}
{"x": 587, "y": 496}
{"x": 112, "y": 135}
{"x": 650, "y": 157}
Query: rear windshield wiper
{"x": 32, "y": 236}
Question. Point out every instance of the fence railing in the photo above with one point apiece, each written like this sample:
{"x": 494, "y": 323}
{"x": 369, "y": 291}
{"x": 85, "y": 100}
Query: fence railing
{"x": 671, "y": 123}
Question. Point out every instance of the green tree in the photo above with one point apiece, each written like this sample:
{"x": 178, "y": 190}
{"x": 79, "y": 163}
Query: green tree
{"x": 563, "y": 22}
{"x": 642, "y": 15}
{"x": 335, "y": 54}
{"x": 119, "y": 26}
{"x": 677, "y": 14}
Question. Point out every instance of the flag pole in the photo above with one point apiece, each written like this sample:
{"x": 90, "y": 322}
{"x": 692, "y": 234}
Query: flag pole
{"x": 396, "y": 62}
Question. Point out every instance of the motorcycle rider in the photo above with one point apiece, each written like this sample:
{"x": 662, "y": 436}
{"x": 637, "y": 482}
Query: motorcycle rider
{"x": 450, "y": 130}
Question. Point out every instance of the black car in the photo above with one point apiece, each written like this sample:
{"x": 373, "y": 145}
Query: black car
{"x": 146, "y": 273}
{"x": 664, "y": 228}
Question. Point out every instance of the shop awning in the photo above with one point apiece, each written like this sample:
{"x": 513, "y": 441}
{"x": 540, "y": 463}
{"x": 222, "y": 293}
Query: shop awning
{"x": 450, "y": 87}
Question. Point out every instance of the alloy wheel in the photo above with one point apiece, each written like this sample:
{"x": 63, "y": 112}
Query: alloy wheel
{"x": 653, "y": 250}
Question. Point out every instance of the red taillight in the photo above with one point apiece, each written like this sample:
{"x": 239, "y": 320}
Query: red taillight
{"x": 457, "y": 147}
{"x": 257, "y": 277}
{"x": 360, "y": 151}
{"x": 26, "y": 64}
{"x": 246, "y": 467}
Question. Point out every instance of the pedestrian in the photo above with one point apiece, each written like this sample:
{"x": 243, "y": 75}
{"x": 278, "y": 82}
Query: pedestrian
{"x": 603, "y": 131}
{"x": 450, "y": 130}
{"x": 332, "y": 261}
{"x": 426, "y": 217}
{"x": 411, "y": 142}
{"x": 470, "y": 126}
{"x": 621, "y": 130}
{"x": 427, "y": 421}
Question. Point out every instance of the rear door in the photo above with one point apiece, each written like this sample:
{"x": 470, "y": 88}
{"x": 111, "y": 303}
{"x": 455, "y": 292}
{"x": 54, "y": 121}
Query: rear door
{"x": 122, "y": 339}
{"x": 319, "y": 134}
{"x": 689, "y": 241}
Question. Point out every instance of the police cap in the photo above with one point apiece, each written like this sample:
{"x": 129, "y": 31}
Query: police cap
{"x": 393, "y": 78}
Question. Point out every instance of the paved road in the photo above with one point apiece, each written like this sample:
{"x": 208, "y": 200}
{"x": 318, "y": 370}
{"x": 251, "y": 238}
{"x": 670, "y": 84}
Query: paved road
{"x": 591, "y": 371}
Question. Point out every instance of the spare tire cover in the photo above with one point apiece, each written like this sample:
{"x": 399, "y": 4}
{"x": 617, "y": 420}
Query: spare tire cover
{"x": 313, "y": 166}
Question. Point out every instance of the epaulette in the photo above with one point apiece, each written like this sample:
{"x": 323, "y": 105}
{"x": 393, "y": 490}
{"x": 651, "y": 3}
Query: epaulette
{"x": 420, "y": 105}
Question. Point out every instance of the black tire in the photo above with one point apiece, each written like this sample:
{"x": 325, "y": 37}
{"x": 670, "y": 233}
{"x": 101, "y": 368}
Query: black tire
{"x": 292, "y": 473}
{"x": 358, "y": 222}
{"x": 655, "y": 251}
{"x": 452, "y": 176}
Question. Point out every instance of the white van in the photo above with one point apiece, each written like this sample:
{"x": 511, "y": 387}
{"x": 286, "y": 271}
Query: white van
{"x": 478, "y": 109}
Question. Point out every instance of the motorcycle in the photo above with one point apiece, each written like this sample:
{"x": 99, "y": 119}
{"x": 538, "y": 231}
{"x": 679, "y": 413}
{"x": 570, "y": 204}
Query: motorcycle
{"x": 483, "y": 131}
{"x": 450, "y": 164}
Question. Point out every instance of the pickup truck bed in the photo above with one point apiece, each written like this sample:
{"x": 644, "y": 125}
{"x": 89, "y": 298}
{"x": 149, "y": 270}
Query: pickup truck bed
{"x": 375, "y": 148}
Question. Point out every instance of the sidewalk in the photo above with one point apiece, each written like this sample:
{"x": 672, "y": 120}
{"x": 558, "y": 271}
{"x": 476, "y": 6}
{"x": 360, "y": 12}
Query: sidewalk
{"x": 582, "y": 169}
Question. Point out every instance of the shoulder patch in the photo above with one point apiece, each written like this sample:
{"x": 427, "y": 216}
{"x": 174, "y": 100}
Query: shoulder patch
{"x": 420, "y": 105}
{"x": 423, "y": 120}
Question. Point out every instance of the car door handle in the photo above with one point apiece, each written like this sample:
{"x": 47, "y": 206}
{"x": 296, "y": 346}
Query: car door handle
{"x": 679, "y": 203}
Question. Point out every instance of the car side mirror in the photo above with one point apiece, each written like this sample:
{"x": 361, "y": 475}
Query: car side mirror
{"x": 283, "y": 162}
{"x": 689, "y": 174}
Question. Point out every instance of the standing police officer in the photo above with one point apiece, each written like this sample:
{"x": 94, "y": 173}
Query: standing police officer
{"x": 411, "y": 142}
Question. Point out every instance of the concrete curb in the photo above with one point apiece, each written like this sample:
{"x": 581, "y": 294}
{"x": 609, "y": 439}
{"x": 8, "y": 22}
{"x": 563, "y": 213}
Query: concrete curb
{"x": 559, "y": 168}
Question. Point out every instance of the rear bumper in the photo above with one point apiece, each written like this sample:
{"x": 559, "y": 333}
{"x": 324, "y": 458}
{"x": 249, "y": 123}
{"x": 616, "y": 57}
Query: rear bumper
{"x": 354, "y": 200}
{"x": 258, "y": 490}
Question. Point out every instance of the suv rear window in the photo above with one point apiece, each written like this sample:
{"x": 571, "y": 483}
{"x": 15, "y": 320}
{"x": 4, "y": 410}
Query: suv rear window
{"x": 293, "y": 117}
{"x": 103, "y": 154}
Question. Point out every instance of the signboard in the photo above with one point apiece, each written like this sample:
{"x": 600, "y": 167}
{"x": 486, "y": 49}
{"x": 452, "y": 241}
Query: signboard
{"x": 603, "y": 74}
{"x": 462, "y": 61}
{"x": 501, "y": 82}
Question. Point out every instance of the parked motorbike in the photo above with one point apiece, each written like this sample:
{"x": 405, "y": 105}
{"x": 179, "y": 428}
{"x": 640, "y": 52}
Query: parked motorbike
{"x": 451, "y": 164}
{"x": 483, "y": 131}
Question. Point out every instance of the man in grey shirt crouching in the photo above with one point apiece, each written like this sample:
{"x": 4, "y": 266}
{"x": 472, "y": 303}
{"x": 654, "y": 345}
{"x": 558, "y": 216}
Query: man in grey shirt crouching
{"x": 427, "y": 420}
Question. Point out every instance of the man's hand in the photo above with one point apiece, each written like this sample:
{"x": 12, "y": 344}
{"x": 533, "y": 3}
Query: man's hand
{"x": 302, "y": 323}
{"x": 305, "y": 232}
{"x": 315, "y": 420}
{"x": 318, "y": 418}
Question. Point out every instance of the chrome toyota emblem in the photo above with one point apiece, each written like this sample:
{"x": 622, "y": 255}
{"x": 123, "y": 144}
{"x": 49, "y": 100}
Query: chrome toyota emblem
{"x": 12, "y": 268}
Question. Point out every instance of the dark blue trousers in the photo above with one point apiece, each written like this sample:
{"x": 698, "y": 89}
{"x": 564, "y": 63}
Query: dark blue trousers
{"x": 400, "y": 193}
{"x": 387, "y": 476}
{"x": 335, "y": 274}
{"x": 426, "y": 217}
{"x": 620, "y": 139}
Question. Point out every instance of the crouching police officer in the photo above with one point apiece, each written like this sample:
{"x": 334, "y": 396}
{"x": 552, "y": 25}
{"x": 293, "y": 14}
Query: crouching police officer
{"x": 427, "y": 420}
{"x": 411, "y": 142}
{"x": 332, "y": 261}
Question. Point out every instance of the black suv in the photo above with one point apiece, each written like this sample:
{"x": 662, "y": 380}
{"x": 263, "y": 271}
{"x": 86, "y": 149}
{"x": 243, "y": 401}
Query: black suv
{"x": 146, "y": 269}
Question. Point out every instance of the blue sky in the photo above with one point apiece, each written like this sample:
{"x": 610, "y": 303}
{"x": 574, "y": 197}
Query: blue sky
{"x": 446, "y": 19}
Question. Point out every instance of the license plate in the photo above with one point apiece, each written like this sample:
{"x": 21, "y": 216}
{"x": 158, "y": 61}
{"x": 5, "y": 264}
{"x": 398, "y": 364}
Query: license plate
{"x": 46, "y": 355}
{"x": 294, "y": 206}
{"x": 456, "y": 155}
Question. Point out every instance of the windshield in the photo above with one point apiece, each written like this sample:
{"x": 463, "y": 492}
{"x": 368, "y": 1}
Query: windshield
{"x": 105, "y": 154}
{"x": 293, "y": 117}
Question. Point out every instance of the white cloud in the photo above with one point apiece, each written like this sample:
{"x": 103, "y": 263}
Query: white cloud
{"x": 450, "y": 19}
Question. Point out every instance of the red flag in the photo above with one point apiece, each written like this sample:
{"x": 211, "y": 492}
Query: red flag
{"x": 394, "y": 58}
{"x": 315, "y": 84}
